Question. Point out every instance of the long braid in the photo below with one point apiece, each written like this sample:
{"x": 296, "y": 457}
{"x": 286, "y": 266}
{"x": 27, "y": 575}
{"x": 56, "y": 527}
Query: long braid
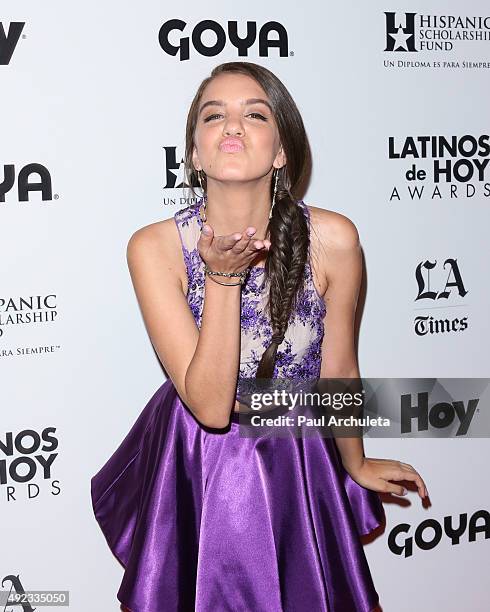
{"x": 284, "y": 271}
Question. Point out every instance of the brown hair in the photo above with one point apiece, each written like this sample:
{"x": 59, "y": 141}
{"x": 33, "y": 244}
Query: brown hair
{"x": 288, "y": 226}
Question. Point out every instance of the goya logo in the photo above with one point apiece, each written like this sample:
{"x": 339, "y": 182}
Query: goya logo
{"x": 25, "y": 184}
{"x": 430, "y": 532}
{"x": 271, "y": 35}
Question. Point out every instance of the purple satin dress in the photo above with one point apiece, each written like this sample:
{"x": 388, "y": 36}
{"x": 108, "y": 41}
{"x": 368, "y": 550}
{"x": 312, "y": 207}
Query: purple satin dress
{"x": 205, "y": 520}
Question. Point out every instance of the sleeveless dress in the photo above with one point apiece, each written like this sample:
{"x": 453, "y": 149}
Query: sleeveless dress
{"x": 205, "y": 520}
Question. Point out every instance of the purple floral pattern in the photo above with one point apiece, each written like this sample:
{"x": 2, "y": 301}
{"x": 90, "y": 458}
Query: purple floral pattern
{"x": 299, "y": 354}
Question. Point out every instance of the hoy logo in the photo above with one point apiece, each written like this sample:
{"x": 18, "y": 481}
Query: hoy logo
{"x": 439, "y": 416}
{"x": 9, "y": 41}
{"x": 400, "y": 31}
{"x": 25, "y": 184}
{"x": 209, "y": 28}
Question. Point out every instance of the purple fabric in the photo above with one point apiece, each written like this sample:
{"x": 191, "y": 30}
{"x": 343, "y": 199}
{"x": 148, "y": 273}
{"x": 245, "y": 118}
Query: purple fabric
{"x": 210, "y": 521}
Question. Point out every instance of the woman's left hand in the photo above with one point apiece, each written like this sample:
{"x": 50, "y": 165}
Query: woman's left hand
{"x": 375, "y": 474}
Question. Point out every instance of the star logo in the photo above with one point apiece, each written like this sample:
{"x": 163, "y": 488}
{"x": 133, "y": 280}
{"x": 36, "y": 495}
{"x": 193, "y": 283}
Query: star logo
{"x": 400, "y": 39}
{"x": 400, "y": 31}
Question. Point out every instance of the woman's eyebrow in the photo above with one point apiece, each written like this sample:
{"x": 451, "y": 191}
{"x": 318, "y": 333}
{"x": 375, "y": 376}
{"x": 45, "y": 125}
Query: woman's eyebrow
{"x": 259, "y": 101}
{"x": 211, "y": 103}
{"x": 221, "y": 103}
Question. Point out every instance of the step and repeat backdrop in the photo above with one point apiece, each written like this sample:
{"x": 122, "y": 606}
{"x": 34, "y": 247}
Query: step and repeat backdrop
{"x": 94, "y": 98}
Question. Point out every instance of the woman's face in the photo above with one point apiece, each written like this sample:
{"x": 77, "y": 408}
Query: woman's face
{"x": 236, "y": 136}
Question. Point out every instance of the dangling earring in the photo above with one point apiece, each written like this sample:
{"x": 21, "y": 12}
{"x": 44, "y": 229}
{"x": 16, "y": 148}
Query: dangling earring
{"x": 274, "y": 196}
{"x": 203, "y": 209}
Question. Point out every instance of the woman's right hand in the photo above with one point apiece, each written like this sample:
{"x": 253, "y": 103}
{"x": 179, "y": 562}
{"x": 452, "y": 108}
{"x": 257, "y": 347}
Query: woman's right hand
{"x": 231, "y": 253}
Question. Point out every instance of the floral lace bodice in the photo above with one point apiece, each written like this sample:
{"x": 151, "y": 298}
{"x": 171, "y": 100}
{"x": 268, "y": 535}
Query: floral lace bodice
{"x": 299, "y": 354}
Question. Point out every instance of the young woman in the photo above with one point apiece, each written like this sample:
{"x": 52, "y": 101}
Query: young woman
{"x": 202, "y": 518}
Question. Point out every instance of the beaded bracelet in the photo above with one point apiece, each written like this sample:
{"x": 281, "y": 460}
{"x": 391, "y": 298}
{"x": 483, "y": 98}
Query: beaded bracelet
{"x": 241, "y": 275}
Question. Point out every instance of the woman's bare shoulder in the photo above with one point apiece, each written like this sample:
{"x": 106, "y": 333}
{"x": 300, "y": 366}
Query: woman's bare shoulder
{"x": 157, "y": 244}
{"x": 334, "y": 240}
{"x": 161, "y": 237}
{"x": 334, "y": 229}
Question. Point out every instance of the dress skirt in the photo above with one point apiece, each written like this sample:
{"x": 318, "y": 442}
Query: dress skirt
{"x": 207, "y": 520}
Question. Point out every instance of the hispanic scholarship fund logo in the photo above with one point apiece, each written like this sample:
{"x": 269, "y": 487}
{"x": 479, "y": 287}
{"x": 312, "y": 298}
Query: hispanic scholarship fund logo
{"x": 176, "y": 190}
{"x": 414, "y": 32}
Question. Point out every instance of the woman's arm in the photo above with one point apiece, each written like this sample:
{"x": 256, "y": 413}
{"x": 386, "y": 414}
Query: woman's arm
{"x": 341, "y": 259}
{"x": 211, "y": 377}
{"x": 202, "y": 365}
{"x": 341, "y": 263}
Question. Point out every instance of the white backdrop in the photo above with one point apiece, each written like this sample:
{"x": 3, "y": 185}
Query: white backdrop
{"x": 89, "y": 94}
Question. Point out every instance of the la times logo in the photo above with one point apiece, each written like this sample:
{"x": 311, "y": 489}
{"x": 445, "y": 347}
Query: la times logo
{"x": 16, "y": 593}
{"x": 448, "y": 290}
{"x": 204, "y": 30}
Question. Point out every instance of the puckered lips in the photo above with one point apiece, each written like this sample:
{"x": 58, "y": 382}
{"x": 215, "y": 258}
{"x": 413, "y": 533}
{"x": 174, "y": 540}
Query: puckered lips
{"x": 231, "y": 144}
